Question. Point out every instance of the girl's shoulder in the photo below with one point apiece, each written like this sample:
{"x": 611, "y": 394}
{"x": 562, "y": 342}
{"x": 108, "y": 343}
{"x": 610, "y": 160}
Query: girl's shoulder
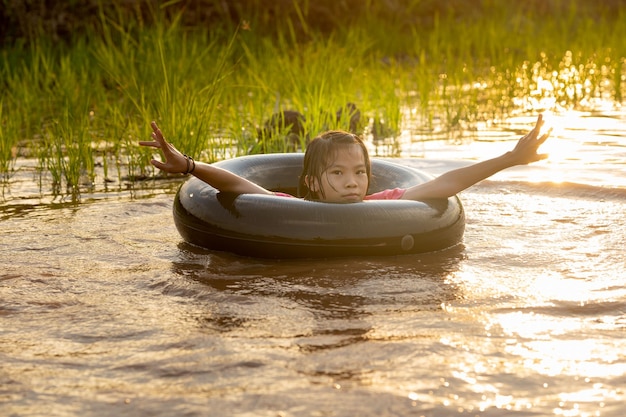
{"x": 390, "y": 194}
{"x": 279, "y": 194}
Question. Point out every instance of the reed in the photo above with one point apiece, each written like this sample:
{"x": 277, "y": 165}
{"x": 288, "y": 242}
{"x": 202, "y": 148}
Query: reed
{"x": 8, "y": 144}
{"x": 161, "y": 73}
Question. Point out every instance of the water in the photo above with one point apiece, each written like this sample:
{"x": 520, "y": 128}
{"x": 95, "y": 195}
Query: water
{"x": 104, "y": 311}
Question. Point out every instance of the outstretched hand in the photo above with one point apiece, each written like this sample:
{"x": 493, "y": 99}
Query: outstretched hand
{"x": 525, "y": 151}
{"x": 175, "y": 161}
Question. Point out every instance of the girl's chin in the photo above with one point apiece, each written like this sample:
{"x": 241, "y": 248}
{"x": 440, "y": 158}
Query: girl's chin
{"x": 352, "y": 199}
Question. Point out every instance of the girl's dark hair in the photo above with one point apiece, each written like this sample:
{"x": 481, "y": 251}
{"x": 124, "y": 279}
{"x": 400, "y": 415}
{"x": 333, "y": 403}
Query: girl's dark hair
{"x": 320, "y": 154}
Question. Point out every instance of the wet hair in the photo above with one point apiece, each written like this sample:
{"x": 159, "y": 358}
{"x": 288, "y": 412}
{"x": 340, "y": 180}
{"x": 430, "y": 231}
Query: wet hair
{"x": 320, "y": 155}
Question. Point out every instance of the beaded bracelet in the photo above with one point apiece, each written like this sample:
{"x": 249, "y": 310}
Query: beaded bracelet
{"x": 193, "y": 164}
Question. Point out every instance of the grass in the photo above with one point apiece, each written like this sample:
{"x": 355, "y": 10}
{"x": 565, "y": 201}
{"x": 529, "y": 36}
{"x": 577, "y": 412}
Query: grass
{"x": 82, "y": 104}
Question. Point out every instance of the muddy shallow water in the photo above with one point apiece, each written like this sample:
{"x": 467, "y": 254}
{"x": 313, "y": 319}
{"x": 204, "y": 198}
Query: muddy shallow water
{"x": 104, "y": 310}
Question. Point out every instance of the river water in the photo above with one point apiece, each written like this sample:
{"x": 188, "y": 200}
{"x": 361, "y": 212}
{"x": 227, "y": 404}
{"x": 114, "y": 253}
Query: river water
{"x": 105, "y": 311}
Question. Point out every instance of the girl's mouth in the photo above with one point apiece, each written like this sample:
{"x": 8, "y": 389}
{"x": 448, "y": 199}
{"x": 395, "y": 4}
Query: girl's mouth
{"x": 352, "y": 197}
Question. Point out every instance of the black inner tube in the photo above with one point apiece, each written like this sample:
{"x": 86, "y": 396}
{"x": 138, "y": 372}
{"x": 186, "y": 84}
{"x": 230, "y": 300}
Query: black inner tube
{"x": 281, "y": 227}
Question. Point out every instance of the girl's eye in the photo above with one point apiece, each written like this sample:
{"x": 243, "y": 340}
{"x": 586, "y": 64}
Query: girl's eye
{"x": 336, "y": 172}
{"x": 361, "y": 172}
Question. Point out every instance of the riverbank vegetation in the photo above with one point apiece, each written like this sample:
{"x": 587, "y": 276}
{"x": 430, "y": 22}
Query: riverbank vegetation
{"x": 79, "y": 94}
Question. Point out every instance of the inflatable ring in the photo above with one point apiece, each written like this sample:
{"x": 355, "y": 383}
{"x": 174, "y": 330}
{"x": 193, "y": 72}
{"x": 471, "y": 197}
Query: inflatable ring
{"x": 270, "y": 226}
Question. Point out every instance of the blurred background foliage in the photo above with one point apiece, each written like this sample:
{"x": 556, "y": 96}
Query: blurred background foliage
{"x": 26, "y": 20}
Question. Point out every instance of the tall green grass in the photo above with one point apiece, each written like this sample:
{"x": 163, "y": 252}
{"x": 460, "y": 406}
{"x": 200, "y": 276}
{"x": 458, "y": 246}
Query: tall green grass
{"x": 8, "y": 144}
{"x": 86, "y": 104}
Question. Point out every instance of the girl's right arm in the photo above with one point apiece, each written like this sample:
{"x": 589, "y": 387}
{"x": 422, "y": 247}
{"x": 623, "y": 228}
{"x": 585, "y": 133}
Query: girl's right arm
{"x": 176, "y": 162}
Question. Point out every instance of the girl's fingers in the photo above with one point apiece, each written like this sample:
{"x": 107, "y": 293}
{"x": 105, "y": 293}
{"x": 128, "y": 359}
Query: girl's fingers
{"x": 160, "y": 165}
{"x": 535, "y": 132}
{"x": 544, "y": 137}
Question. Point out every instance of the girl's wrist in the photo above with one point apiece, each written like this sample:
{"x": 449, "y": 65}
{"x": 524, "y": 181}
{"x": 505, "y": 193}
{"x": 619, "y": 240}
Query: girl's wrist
{"x": 509, "y": 159}
{"x": 191, "y": 165}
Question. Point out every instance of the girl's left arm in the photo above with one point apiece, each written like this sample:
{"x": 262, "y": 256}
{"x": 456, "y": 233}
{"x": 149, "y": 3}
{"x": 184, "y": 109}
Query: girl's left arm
{"x": 455, "y": 181}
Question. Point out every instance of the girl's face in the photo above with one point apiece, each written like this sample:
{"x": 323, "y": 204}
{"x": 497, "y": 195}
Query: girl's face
{"x": 345, "y": 180}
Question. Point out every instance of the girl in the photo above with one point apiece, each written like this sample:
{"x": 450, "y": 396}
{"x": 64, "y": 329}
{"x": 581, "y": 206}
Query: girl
{"x": 337, "y": 169}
